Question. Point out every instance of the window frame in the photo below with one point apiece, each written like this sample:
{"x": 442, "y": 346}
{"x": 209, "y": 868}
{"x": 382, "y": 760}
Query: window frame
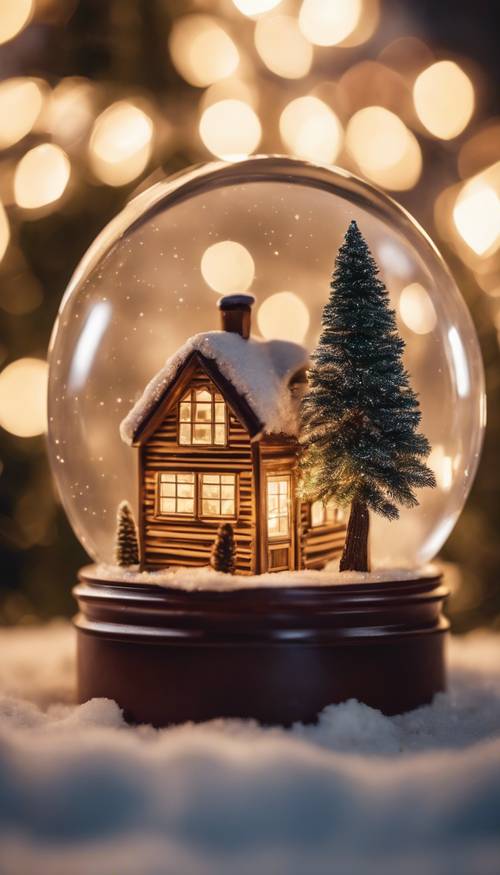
{"x": 280, "y": 536}
{"x": 222, "y": 516}
{"x": 174, "y": 514}
{"x": 189, "y": 397}
{"x": 197, "y": 514}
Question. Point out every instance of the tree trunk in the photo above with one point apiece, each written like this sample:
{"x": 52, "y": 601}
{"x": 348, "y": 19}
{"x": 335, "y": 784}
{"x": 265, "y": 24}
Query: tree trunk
{"x": 355, "y": 554}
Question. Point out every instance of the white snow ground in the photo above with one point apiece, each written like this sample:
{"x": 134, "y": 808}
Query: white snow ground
{"x": 206, "y": 579}
{"x": 83, "y": 794}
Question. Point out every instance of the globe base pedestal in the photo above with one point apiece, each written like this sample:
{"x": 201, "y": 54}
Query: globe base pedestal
{"x": 276, "y": 655}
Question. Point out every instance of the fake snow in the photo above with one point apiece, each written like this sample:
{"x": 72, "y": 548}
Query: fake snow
{"x": 259, "y": 370}
{"x": 81, "y": 793}
{"x": 205, "y": 578}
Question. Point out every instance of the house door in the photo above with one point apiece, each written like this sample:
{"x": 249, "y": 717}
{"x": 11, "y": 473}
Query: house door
{"x": 279, "y": 523}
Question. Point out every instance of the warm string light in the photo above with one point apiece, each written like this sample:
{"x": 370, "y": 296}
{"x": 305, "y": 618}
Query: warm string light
{"x": 207, "y": 53}
{"x": 41, "y": 176}
{"x": 329, "y": 23}
{"x": 385, "y": 150}
{"x": 282, "y": 47}
{"x": 416, "y": 309}
{"x": 230, "y": 129}
{"x": 227, "y": 266}
{"x": 230, "y": 89}
{"x": 476, "y": 215}
{"x": 14, "y": 16}
{"x": 442, "y": 466}
{"x": 23, "y": 397}
{"x": 4, "y": 231}
{"x": 255, "y": 7}
{"x": 21, "y": 102}
{"x": 444, "y": 99}
{"x": 283, "y": 316}
{"x": 70, "y": 110}
{"x": 121, "y": 143}
{"x": 310, "y": 129}
{"x": 202, "y": 50}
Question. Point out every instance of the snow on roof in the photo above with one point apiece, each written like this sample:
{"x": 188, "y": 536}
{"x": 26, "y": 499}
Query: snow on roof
{"x": 259, "y": 370}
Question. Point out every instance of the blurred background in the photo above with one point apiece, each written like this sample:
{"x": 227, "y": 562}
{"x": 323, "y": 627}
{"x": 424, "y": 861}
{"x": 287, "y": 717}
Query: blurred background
{"x": 100, "y": 99}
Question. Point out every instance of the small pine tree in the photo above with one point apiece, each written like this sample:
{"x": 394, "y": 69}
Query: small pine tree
{"x": 223, "y": 556}
{"x": 359, "y": 416}
{"x": 126, "y": 545}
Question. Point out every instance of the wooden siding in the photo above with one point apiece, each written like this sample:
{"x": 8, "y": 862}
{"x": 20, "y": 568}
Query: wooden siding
{"x": 176, "y": 540}
{"x": 316, "y": 546}
{"x": 278, "y": 455}
{"x": 319, "y": 544}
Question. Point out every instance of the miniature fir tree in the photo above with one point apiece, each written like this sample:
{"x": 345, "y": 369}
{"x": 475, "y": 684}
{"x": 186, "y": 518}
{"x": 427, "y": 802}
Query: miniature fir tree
{"x": 359, "y": 416}
{"x": 126, "y": 546}
{"x": 223, "y": 557}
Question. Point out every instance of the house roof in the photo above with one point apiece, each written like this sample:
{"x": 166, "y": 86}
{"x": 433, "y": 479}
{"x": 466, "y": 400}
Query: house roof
{"x": 259, "y": 371}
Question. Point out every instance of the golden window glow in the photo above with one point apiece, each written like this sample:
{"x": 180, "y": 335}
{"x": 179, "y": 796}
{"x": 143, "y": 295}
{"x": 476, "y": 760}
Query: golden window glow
{"x": 278, "y": 507}
{"x": 202, "y": 418}
{"x": 182, "y": 493}
{"x": 176, "y": 493}
{"x": 325, "y": 514}
{"x": 218, "y": 494}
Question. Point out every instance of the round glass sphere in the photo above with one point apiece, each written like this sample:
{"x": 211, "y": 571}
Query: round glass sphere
{"x": 271, "y": 226}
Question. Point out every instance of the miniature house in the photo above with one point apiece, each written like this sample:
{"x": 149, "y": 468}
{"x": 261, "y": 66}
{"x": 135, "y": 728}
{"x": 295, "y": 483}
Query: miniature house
{"x": 216, "y": 431}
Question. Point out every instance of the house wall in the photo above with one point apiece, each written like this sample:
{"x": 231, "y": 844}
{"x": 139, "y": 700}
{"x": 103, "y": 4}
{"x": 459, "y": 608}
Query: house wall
{"x": 320, "y": 544}
{"x": 278, "y": 455}
{"x": 188, "y": 542}
{"x": 313, "y": 547}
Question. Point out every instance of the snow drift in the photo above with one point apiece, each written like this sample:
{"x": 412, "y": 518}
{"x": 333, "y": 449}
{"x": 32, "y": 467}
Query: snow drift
{"x": 80, "y": 792}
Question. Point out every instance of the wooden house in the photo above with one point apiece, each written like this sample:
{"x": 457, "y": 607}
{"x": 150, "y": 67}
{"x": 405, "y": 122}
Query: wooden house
{"x": 216, "y": 432}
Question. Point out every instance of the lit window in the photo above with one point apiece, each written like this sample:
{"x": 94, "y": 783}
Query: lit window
{"x": 278, "y": 507}
{"x": 202, "y": 418}
{"x": 176, "y": 493}
{"x": 325, "y": 514}
{"x": 218, "y": 494}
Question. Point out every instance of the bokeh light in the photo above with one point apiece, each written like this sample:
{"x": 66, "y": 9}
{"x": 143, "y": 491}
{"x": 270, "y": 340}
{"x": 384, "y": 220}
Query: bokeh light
{"x": 201, "y": 50}
{"x": 121, "y": 143}
{"x": 227, "y": 267}
{"x": 481, "y": 150}
{"x": 442, "y": 465}
{"x": 310, "y": 129}
{"x": 14, "y": 16}
{"x": 329, "y": 23}
{"x": 282, "y": 46}
{"x": 232, "y": 88}
{"x": 70, "y": 109}
{"x": 21, "y": 101}
{"x": 41, "y": 176}
{"x": 283, "y": 316}
{"x": 476, "y": 215}
{"x": 23, "y": 397}
{"x": 416, "y": 309}
{"x": 444, "y": 99}
{"x": 367, "y": 24}
{"x": 230, "y": 129}
{"x": 255, "y": 7}
{"x": 4, "y": 231}
{"x": 385, "y": 150}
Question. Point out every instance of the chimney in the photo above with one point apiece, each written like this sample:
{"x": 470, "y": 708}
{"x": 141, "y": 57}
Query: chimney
{"x": 235, "y": 311}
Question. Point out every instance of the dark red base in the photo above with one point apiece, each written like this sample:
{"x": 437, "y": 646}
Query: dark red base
{"x": 277, "y": 655}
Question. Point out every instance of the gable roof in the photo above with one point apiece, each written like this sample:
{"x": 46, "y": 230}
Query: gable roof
{"x": 259, "y": 371}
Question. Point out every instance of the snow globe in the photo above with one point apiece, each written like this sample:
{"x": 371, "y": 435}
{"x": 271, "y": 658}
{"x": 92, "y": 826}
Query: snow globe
{"x": 277, "y": 510}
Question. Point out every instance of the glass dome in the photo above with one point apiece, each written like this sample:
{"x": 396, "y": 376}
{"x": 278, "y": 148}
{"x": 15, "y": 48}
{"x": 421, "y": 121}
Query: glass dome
{"x": 271, "y": 226}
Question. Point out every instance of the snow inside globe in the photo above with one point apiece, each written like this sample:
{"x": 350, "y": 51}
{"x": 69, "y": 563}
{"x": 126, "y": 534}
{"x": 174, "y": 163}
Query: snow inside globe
{"x": 268, "y": 227}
